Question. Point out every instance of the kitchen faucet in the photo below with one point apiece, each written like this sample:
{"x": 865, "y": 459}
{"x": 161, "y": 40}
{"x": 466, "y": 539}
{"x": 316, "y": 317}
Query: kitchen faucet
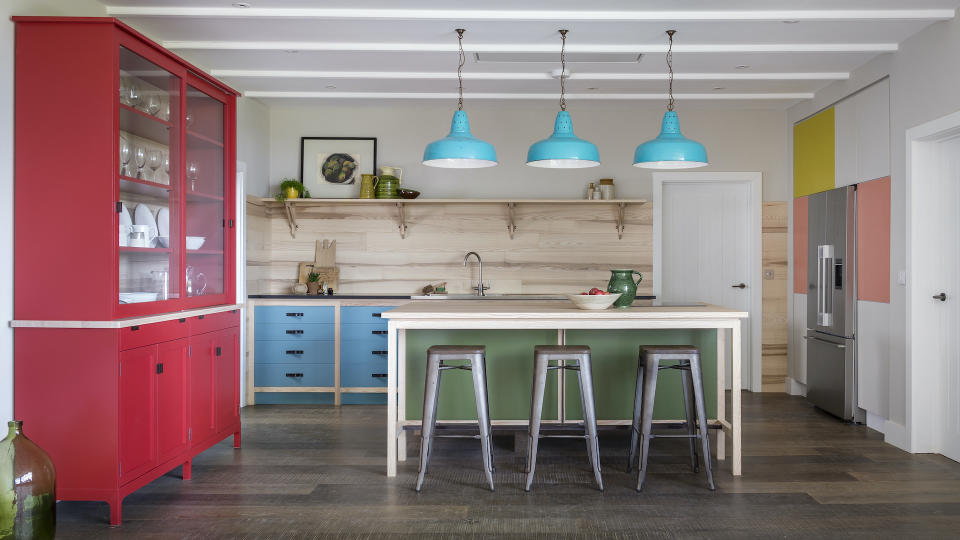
{"x": 480, "y": 286}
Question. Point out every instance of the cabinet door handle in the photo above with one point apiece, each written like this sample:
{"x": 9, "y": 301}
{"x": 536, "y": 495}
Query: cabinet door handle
{"x": 159, "y": 368}
{"x": 201, "y": 316}
{"x": 378, "y": 375}
{"x": 134, "y": 328}
{"x": 378, "y": 332}
{"x": 294, "y": 314}
{"x": 378, "y": 352}
{"x": 218, "y": 351}
{"x": 377, "y": 315}
{"x": 294, "y": 375}
{"x": 295, "y": 352}
{"x": 294, "y": 332}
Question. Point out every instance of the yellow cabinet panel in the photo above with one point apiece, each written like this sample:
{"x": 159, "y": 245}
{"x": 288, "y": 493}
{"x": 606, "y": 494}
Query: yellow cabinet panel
{"x": 814, "y": 154}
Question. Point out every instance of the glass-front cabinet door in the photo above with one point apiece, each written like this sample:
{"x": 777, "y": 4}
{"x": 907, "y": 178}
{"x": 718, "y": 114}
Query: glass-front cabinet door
{"x": 207, "y": 222}
{"x": 149, "y": 184}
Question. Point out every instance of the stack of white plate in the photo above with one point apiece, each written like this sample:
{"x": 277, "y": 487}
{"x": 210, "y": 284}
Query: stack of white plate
{"x": 136, "y": 297}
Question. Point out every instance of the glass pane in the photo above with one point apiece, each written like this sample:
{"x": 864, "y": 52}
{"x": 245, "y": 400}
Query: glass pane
{"x": 149, "y": 217}
{"x": 205, "y": 182}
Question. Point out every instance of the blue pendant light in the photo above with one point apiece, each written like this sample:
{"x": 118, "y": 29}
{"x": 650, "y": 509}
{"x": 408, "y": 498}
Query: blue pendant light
{"x": 563, "y": 149}
{"x": 670, "y": 150}
{"x": 460, "y": 149}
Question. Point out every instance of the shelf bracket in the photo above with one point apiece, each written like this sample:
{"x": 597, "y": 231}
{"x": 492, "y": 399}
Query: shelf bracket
{"x": 402, "y": 220}
{"x": 621, "y": 207}
{"x": 291, "y": 212}
{"x": 511, "y": 225}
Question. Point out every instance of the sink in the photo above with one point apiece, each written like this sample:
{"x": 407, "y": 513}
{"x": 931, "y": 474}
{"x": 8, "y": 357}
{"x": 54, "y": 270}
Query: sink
{"x": 489, "y": 296}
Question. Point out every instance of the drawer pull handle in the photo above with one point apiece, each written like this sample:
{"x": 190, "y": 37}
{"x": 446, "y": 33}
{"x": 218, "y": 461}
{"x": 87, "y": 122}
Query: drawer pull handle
{"x": 377, "y": 315}
{"x": 294, "y": 314}
{"x": 378, "y": 352}
{"x": 219, "y": 352}
{"x": 379, "y": 375}
{"x": 294, "y": 331}
{"x": 294, "y": 375}
{"x": 201, "y": 316}
{"x": 134, "y": 328}
{"x": 295, "y": 352}
{"x": 378, "y": 332}
{"x": 182, "y": 320}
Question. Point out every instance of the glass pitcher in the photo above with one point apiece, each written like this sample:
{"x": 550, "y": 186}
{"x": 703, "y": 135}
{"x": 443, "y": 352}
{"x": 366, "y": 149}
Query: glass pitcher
{"x": 196, "y": 282}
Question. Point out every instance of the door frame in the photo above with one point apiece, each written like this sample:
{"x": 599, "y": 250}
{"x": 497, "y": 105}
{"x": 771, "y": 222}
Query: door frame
{"x": 922, "y": 406}
{"x": 755, "y": 280}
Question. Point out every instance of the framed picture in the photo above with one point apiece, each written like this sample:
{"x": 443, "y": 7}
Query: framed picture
{"x": 330, "y": 167}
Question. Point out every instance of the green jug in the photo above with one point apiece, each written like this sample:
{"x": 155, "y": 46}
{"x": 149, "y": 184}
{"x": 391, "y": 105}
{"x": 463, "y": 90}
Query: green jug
{"x": 621, "y": 281}
{"x": 387, "y": 187}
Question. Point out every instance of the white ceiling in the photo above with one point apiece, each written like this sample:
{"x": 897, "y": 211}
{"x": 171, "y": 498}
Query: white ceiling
{"x": 302, "y": 49}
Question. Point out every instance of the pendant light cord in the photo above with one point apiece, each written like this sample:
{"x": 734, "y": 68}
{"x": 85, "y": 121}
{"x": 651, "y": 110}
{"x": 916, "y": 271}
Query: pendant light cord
{"x": 563, "y": 70}
{"x": 670, "y": 68}
{"x": 463, "y": 60}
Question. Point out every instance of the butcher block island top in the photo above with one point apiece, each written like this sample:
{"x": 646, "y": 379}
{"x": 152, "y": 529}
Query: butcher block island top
{"x": 532, "y": 309}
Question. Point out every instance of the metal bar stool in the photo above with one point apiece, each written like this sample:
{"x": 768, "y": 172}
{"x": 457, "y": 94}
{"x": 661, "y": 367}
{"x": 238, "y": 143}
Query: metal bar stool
{"x": 436, "y": 356}
{"x": 648, "y": 365}
{"x": 542, "y": 356}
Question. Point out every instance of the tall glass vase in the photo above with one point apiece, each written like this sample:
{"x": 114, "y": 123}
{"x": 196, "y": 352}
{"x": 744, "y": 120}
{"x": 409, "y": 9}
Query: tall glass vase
{"x": 27, "y": 492}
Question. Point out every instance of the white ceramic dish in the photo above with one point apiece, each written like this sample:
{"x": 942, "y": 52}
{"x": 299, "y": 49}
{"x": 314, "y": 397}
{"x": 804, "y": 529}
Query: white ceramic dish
{"x": 163, "y": 223}
{"x": 195, "y": 242}
{"x": 125, "y": 215}
{"x": 593, "y": 301}
{"x": 143, "y": 216}
{"x": 137, "y": 297}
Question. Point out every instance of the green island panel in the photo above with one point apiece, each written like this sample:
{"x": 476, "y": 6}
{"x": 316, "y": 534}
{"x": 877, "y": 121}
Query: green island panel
{"x": 510, "y": 373}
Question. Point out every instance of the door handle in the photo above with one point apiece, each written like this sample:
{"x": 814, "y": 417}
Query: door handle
{"x": 837, "y": 345}
{"x": 378, "y": 352}
{"x": 294, "y": 375}
{"x": 294, "y": 352}
{"x": 378, "y": 375}
{"x": 379, "y": 332}
{"x": 294, "y": 332}
{"x": 296, "y": 314}
{"x": 377, "y": 315}
{"x": 941, "y": 297}
{"x": 739, "y": 286}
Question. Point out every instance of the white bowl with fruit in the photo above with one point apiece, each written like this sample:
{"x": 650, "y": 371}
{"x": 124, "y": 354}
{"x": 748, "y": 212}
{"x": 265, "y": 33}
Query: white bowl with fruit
{"x": 594, "y": 299}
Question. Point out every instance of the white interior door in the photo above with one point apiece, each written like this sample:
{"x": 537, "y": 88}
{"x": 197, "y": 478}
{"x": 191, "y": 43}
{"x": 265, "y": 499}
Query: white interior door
{"x": 945, "y": 253}
{"x": 708, "y": 253}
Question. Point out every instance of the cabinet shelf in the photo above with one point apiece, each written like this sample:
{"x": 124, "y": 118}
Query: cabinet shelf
{"x": 204, "y": 138}
{"x": 144, "y": 125}
{"x": 199, "y": 196}
{"x": 191, "y": 252}
{"x": 131, "y": 249}
{"x": 138, "y": 186}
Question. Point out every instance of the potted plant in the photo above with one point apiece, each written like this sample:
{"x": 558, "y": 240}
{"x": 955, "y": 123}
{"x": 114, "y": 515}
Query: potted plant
{"x": 313, "y": 283}
{"x": 291, "y": 188}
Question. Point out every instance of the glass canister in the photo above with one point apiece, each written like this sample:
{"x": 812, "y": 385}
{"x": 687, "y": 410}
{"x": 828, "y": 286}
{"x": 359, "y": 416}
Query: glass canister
{"x": 27, "y": 488}
{"x": 606, "y": 188}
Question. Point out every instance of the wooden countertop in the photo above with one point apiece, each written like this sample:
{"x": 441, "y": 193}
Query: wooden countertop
{"x": 532, "y": 309}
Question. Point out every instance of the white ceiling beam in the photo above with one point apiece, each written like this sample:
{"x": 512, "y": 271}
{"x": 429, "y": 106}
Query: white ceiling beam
{"x": 538, "y": 15}
{"x": 528, "y": 47}
{"x": 301, "y": 74}
{"x": 529, "y": 96}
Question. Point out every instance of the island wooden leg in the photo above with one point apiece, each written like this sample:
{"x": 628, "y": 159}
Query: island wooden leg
{"x": 391, "y": 399}
{"x": 735, "y": 420}
{"x": 722, "y": 392}
{"x": 401, "y": 394}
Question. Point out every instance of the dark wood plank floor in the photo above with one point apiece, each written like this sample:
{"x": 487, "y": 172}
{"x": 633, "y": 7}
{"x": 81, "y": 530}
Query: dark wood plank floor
{"x": 318, "y": 472}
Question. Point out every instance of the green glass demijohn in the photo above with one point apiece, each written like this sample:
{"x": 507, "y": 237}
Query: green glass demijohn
{"x": 621, "y": 281}
{"x": 27, "y": 488}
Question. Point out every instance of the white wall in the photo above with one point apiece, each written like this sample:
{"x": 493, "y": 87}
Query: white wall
{"x": 7, "y": 9}
{"x": 736, "y": 141}
{"x": 253, "y": 144}
{"x": 924, "y": 77}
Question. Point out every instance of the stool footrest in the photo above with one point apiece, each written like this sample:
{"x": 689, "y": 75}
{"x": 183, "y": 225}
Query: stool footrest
{"x": 652, "y": 436}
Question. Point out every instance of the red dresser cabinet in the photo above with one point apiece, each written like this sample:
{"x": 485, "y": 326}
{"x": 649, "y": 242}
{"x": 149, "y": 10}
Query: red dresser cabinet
{"x": 126, "y": 345}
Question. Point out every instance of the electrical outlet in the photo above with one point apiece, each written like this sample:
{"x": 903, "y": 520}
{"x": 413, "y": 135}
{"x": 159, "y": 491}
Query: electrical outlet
{"x": 768, "y": 274}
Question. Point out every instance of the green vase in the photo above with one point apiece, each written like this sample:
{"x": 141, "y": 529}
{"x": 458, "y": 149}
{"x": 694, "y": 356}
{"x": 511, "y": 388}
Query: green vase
{"x": 27, "y": 488}
{"x": 621, "y": 281}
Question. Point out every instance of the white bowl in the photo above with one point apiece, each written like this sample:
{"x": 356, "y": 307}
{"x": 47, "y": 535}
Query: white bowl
{"x": 593, "y": 301}
{"x": 195, "y": 242}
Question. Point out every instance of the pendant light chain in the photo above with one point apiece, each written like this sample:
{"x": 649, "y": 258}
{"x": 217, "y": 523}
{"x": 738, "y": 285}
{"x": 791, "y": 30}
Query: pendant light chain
{"x": 463, "y": 60}
{"x": 563, "y": 70}
{"x": 670, "y": 68}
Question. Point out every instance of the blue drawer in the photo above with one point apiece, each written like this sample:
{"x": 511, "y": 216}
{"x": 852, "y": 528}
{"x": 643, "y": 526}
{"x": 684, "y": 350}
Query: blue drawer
{"x": 375, "y": 334}
{"x": 293, "y": 352}
{"x": 351, "y": 351}
{"x": 293, "y": 374}
{"x": 367, "y": 372}
{"x": 294, "y": 331}
{"x": 363, "y": 314}
{"x": 293, "y": 314}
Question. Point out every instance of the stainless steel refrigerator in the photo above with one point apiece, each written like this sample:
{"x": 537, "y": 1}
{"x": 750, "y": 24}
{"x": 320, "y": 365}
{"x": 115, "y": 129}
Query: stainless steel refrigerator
{"x": 832, "y": 303}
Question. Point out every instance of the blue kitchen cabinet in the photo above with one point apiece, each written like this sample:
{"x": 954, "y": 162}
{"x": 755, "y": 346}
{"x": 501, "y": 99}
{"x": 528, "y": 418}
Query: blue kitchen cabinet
{"x": 363, "y": 353}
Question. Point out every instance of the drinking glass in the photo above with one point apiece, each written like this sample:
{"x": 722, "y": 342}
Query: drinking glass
{"x": 189, "y": 118}
{"x": 134, "y": 96}
{"x": 193, "y": 174}
{"x": 165, "y": 109}
{"x": 166, "y": 165}
{"x": 140, "y": 158}
{"x": 153, "y": 104}
{"x": 154, "y": 161}
{"x": 125, "y": 90}
{"x": 124, "y": 155}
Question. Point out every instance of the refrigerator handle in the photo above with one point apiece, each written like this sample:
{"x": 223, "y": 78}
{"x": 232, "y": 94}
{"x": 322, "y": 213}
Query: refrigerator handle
{"x": 825, "y": 258}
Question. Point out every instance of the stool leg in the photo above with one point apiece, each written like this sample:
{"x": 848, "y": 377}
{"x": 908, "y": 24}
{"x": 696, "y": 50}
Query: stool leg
{"x": 536, "y": 410}
{"x": 433, "y": 430}
{"x": 635, "y": 428}
{"x": 480, "y": 395}
{"x": 702, "y": 416}
{"x": 486, "y": 401}
{"x": 687, "y": 383}
{"x": 590, "y": 416}
{"x": 651, "y": 367}
{"x": 430, "y": 393}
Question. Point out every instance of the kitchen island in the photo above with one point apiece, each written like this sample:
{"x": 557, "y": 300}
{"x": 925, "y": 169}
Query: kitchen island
{"x": 565, "y": 325}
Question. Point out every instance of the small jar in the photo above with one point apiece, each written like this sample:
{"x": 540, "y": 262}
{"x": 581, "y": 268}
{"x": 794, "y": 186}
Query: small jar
{"x": 590, "y": 190}
{"x": 138, "y": 236}
{"x": 596, "y": 195}
{"x": 606, "y": 188}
